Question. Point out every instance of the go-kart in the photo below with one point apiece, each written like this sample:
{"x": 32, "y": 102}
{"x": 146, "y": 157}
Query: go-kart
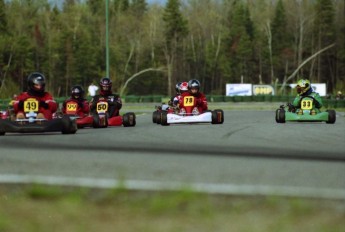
{"x": 307, "y": 113}
{"x": 32, "y": 124}
{"x": 99, "y": 119}
{"x": 188, "y": 112}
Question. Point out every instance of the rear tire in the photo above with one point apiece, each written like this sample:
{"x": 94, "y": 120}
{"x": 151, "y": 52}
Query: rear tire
{"x": 154, "y": 116}
{"x": 217, "y": 116}
{"x": 164, "y": 119}
{"x": 159, "y": 117}
{"x": 331, "y": 116}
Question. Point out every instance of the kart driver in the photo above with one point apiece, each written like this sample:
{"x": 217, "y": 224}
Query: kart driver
{"x": 36, "y": 89}
{"x": 174, "y": 99}
{"x": 77, "y": 95}
{"x": 304, "y": 89}
{"x": 194, "y": 90}
{"x": 114, "y": 100}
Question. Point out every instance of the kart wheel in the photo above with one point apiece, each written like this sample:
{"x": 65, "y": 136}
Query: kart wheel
{"x": 281, "y": 116}
{"x": 217, "y": 116}
{"x": 128, "y": 119}
{"x": 164, "y": 119}
{"x": 2, "y": 133}
{"x": 159, "y": 117}
{"x": 331, "y": 116}
{"x": 95, "y": 121}
{"x": 277, "y": 115}
{"x": 154, "y": 116}
{"x": 69, "y": 126}
{"x": 100, "y": 122}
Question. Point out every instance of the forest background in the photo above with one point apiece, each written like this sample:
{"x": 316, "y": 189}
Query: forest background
{"x": 154, "y": 46}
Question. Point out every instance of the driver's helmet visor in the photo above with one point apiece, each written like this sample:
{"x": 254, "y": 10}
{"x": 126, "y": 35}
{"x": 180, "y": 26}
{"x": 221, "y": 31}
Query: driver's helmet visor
{"x": 105, "y": 87}
{"x": 38, "y": 86}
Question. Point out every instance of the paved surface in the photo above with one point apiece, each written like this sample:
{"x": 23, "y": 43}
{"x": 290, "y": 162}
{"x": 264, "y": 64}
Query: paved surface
{"x": 249, "y": 154}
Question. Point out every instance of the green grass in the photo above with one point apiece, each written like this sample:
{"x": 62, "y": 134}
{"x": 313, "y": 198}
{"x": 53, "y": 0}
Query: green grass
{"x": 40, "y": 208}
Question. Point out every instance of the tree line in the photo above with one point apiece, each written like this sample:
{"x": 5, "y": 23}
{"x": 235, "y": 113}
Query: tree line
{"x": 152, "y": 47}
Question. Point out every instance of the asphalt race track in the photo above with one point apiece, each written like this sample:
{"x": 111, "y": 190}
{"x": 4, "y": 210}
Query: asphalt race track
{"x": 249, "y": 154}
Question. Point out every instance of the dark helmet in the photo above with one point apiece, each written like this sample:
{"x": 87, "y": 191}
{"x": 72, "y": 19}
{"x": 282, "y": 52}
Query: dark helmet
{"x": 177, "y": 87}
{"x": 105, "y": 84}
{"x": 194, "y": 84}
{"x": 77, "y": 92}
{"x": 36, "y": 82}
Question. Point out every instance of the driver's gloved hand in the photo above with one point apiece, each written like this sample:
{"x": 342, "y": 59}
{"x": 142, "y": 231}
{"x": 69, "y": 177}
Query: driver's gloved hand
{"x": 291, "y": 107}
{"x": 44, "y": 104}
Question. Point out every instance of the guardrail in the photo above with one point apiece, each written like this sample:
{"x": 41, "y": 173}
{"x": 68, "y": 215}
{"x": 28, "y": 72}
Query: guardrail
{"x": 328, "y": 103}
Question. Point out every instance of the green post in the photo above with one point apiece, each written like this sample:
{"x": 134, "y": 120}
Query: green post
{"x": 107, "y": 36}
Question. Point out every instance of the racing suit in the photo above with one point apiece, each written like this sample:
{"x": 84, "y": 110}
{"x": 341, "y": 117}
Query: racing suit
{"x": 82, "y": 109}
{"x": 318, "y": 101}
{"x": 114, "y": 103}
{"x": 201, "y": 101}
{"x": 47, "y": 105}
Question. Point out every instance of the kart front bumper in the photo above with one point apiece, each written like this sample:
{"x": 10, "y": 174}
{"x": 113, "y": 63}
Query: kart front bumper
{"x": 319, "y": 117}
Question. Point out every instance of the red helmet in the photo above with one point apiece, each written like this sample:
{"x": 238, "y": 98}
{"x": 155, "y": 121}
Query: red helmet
{"x": 183, "y": 87}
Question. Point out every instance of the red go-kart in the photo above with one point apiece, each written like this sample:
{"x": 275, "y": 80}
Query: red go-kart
{"x": 188, "y": 112}
{"x": 100, "y": 118}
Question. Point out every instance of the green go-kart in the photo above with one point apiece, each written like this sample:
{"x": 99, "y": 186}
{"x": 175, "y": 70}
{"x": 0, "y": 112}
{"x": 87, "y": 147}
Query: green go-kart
{"x": 307, "y": 113}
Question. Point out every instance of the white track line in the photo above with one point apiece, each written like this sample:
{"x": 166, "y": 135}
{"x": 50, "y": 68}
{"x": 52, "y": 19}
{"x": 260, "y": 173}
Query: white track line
{"x": 231, "y": 189}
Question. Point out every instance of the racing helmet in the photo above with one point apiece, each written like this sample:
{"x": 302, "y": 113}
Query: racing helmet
{"x": 194, "y": 84}
{"x": 77, "y": 92}
{"x": 36, "y": 82}
{"x": 105, "y": 84}
{"x": 183, "y": 87}
{"x": 177, "y": 87}
{"x": 303, "y": 86}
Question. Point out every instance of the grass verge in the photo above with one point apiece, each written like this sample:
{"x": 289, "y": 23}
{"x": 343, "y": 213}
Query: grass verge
{"x": 44, "y": 208}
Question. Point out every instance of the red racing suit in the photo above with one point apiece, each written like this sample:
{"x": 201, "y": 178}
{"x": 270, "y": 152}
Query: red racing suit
{"x": 114, "y": 101}
{"x": 201, "y": 101}
{"x": 82, "y": 108}
{"x": 47, "y": 105}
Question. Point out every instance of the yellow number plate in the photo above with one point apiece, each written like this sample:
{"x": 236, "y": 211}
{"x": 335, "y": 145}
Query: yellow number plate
{"x": 102, "y": 107}
{"x": 30, "y": 105}
{"x": 307, "y": 104}
{"x": 188, "y": 101}
{"x": 71, "y": 107}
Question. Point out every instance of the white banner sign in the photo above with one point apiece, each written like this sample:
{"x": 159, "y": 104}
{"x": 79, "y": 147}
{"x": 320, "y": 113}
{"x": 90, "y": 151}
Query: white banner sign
{"x": 238, "y": 89}
{"x": 320, "y": 88}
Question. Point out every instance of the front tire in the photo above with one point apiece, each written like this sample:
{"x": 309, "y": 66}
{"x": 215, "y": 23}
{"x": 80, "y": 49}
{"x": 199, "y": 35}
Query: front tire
{"x": 128, "y": 119}
{"x": 69, "y": 126}
{"x": 280, "y": 116}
